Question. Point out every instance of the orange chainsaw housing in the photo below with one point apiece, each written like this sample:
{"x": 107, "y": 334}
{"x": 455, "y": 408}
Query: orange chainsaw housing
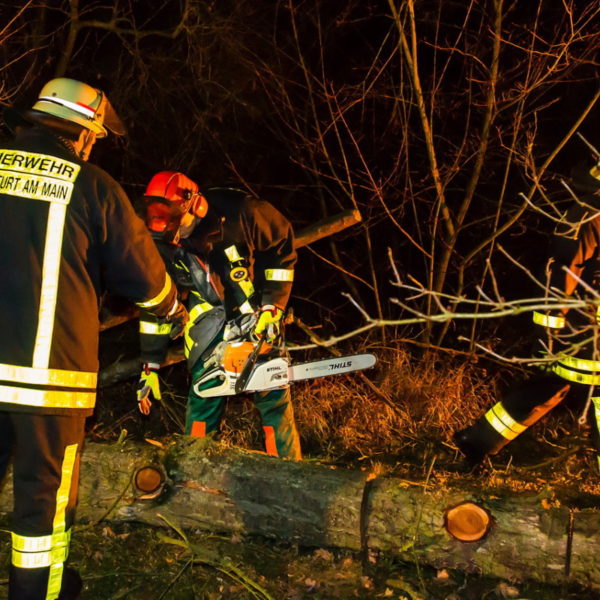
{"x": 236, "y": 354}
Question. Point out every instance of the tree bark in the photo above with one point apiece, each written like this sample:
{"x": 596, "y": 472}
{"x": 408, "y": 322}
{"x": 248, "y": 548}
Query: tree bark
{"x": 326, "y": 227}
{"x": 246, "y": 493}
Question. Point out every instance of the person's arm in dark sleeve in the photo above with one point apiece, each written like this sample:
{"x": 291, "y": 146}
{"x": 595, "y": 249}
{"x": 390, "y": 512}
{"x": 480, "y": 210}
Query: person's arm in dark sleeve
{"x": 275, "y": 256}
{"x": 132, "y": 265}
{"x": 154, "y": 338}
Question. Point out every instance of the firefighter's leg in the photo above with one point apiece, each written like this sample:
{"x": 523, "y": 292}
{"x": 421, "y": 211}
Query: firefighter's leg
{"x": 45, "y": 475}
{"x": 277, "y": 416}
{"x": 203, "y": 415}
{"x": 511, "y": 416}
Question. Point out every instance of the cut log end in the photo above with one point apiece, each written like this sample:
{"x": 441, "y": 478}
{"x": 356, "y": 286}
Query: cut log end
{"x": 467, "y": 522}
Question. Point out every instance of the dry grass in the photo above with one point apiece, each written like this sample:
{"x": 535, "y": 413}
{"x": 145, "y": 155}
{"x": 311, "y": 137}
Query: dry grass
{"x": 429, "y": 398}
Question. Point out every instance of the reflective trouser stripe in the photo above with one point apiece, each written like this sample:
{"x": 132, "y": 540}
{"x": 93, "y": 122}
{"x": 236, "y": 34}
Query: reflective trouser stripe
{"x": 279, "y": 274}
{"x": 152, "y": 328}
{"x": 59, "y": 524}
{"x": 551, "y": 321}
{"x": 50, "y": 550}
{"x": 160, "y": 297}
{"x": 37, "y": 560}
{"x": 503, "y": 423}
{"x": 57, "y": 377}
{"x": 569, "y": 375}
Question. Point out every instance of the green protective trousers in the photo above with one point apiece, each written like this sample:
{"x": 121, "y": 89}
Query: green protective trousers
{"x": 203, "y": 416}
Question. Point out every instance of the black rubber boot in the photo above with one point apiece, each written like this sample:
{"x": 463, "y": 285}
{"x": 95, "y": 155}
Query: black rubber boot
{"x": 474, "y": 454}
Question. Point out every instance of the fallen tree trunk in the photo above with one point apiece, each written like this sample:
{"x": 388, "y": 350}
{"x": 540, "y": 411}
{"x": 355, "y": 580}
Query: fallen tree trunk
{"x": 229, "y": 490}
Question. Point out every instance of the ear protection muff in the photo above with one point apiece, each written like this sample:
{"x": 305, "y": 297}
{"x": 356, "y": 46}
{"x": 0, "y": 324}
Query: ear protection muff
{"x": 195, "y": 203}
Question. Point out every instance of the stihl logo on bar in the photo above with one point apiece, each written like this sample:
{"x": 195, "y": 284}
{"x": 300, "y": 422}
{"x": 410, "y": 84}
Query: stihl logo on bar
{"x": 331, "y": 367}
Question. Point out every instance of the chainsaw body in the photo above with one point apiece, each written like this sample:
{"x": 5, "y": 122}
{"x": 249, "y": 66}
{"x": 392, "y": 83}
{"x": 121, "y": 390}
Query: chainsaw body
{"x": 268, "y": 370}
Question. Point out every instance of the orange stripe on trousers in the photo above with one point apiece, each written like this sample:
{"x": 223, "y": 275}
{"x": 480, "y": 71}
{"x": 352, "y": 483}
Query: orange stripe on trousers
{"x": 270, "y": 443}
{"x": 198, "y": 429}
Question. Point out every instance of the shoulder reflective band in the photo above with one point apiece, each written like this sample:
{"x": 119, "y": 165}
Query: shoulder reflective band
{"x": 580, "y": 363}
{"x": 548, "y": 320}
{"x": 48, "y": 179}
{"x": 279, "y": 274}
{"x": 46, "y": 398}
{"x": 56, "y": 377}
{"x": 232, "y": 254}
{"x": 566, "y": 373}
{"x": 503, "y": 423}
{"x": 154, "y": 328}
{"x": 160, "y": 297}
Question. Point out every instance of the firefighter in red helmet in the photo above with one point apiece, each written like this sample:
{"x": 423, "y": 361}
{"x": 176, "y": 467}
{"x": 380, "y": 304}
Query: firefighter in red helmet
{"x": 232, "y": 258}
{"x": 83, "y": 237}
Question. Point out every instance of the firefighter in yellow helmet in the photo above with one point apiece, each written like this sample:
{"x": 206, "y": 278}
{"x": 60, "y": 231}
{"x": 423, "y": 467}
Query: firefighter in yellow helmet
{"x": 567, "y": 338}
{"x": 233, "y": 258}
{"x": 69, "y": 233}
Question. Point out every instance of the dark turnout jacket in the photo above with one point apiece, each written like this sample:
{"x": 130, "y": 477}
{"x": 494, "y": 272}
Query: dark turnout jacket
{"x": 69, "y": 233}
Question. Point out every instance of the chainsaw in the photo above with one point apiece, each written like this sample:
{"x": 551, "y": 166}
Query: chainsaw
{"x": 251, "y": 367}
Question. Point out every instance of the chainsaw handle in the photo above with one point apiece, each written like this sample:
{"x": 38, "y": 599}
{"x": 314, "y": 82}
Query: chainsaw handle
{"x": 242, "y": 380}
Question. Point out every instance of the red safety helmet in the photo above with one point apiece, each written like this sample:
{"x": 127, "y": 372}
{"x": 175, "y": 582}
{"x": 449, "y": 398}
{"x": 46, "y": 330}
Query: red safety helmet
{"x": 169, "y": 196}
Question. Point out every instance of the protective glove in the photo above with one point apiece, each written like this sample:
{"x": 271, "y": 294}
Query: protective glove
{"x": 148, "y": 387}
{"x": 178, "y": 317}
{"x": 268, "y": 324}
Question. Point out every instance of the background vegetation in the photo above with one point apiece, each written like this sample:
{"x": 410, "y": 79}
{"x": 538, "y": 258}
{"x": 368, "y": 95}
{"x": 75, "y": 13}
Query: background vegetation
{"x": 445, "y": 123}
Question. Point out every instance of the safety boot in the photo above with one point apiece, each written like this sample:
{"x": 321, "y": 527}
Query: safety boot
{"x": 477, "y": 441}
